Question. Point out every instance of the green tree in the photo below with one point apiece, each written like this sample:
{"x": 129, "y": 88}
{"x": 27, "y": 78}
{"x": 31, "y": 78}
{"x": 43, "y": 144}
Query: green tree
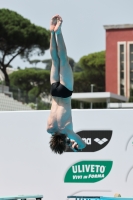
{"x": 93, "y": 66}
{"x": 77, "y": 67}
{"x": 18, "y": 36}
{"x": 35, "y": 62}
{"x": 33, "y": 82}
{"x": 22, "y": 79}
{"x": 48, "y": 63}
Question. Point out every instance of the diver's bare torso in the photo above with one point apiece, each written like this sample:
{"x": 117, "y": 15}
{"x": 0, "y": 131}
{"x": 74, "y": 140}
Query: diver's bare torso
{"x": 60, "y": 119}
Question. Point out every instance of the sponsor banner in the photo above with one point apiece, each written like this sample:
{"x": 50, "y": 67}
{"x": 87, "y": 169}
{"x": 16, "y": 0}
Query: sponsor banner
{"x": 95, "y": 139}
{"x": 88, "y": 171}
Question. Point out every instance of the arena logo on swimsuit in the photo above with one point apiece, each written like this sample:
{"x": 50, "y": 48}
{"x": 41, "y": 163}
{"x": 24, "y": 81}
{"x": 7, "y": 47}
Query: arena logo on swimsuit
{"x": 95, "y": 139}
{"x": 88, "y": 171}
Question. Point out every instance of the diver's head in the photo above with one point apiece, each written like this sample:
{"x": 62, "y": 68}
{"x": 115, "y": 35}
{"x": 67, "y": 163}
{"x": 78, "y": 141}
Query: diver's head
{"x": 58, "y": 143}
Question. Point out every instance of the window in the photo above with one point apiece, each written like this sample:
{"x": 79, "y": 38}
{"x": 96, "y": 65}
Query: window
{"x": 131, "y": 66}
{"x": 121, "y": 71}
{"x": 122, "y": 89}
{"x": 131, "y": 57}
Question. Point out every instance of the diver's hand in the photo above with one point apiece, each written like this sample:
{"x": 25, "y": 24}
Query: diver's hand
{"x": 73, "y": 145}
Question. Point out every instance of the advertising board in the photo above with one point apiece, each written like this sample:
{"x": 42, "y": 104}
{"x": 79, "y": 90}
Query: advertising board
{"x": 103, "y": 168}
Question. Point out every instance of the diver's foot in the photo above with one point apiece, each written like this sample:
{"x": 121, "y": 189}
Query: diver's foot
{"x": 57, "y": 28}
{"x": 53, "y": 23}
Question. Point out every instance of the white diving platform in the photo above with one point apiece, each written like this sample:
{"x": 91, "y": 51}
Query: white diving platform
{"x": 97, "y": 198}
{"x": 97, "y": 97}
{"x": 23, "y": 197}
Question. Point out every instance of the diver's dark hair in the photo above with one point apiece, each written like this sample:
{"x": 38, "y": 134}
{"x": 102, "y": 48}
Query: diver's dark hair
{"x": 58, "y": 143}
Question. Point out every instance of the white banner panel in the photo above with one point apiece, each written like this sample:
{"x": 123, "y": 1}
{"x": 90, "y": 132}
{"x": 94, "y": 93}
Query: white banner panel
{"x": 105, "y": 167}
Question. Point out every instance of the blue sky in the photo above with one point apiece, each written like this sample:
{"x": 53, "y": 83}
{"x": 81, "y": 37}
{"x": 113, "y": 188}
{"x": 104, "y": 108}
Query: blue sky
{"x": 82, "y": 21}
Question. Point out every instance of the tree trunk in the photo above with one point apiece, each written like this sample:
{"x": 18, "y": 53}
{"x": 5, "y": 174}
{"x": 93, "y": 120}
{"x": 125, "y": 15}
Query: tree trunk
{"x": 7, "y": 81}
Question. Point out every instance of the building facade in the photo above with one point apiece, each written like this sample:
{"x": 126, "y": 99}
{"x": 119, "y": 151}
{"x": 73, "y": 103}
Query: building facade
{"x": 119, "y": 59}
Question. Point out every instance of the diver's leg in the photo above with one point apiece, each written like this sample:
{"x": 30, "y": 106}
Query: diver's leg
{"x": 55, "y": 68}
{"x": 66, "y": 75}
